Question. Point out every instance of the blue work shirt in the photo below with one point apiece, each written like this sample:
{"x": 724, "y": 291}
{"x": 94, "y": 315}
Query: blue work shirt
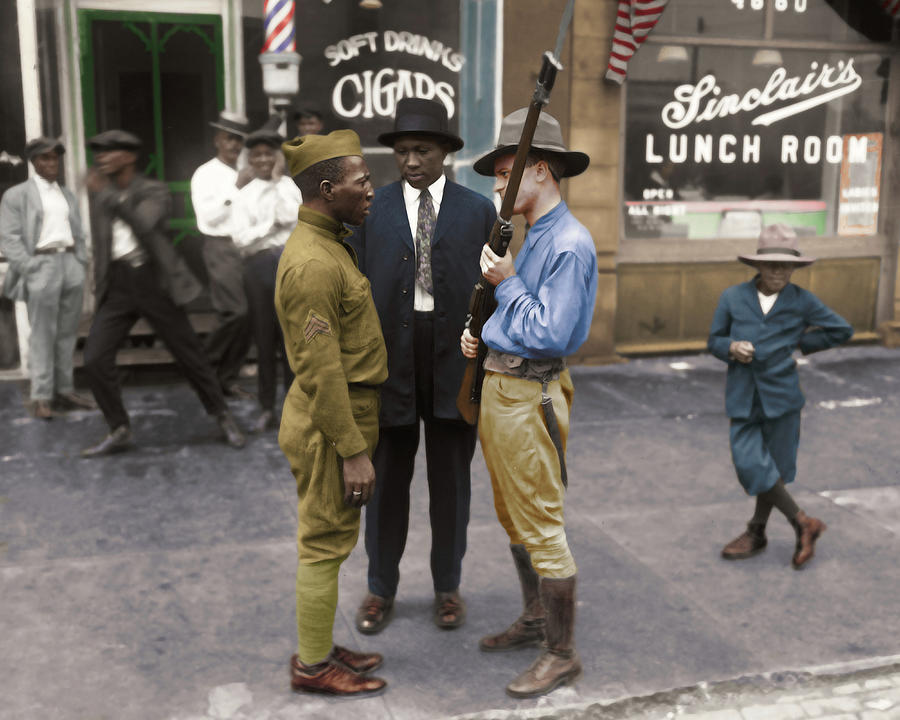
{"x": 545, "y": 309}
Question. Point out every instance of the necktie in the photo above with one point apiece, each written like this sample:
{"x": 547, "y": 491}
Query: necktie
{"x": 424, "y": 232}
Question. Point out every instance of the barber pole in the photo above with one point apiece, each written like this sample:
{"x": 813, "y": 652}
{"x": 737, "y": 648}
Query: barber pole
{"x": 279, "y": 26}
{"x": 892, "y": 7}
{"x": 634, "y": 21}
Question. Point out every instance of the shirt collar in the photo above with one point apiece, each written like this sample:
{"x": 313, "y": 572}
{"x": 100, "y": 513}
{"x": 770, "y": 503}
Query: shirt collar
{"x": 322, "y": 221}
{"x": 436, "y": 190}
{"x": 545, "y": 222}
{"x": 45, "y": 184}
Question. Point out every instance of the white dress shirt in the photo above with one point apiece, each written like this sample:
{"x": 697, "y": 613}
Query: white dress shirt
{"x": 124, "y": 241}
{"x": 766, "y": 302}
{"x": 264, "y": 214}
{"x": 56, "y": 232}
{"x": 423, "y": 300}
{"x": 213, "y": 193}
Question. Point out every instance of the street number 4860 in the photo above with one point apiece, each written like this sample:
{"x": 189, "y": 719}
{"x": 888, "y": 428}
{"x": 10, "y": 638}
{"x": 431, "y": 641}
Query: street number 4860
{"x": 799, "y": 6}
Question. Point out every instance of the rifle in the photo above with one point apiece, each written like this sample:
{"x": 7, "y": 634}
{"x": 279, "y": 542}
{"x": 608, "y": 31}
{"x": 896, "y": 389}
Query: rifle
{"x": 482, "y": 302}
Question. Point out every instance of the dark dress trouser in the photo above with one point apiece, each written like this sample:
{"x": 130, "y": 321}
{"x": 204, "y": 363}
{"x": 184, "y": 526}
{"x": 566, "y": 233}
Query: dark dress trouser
{"x": 260, "y": 270}
{"x": 449, "y": 447}
{"x": 133, "y": 293}
{"x": 227, "y": 344}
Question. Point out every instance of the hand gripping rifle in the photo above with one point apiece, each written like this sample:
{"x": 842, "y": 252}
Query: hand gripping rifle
{"x": 482, "y": 302}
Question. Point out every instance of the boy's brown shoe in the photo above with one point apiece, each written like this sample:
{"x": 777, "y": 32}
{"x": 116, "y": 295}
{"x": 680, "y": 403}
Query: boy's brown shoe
{"x": 808, "y": 531}
{"x": 749, "y": 543}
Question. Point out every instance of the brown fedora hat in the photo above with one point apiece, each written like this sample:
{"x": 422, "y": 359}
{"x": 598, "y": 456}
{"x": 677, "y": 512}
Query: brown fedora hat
{"x": 547, "y": 137}
{"x": 417, "y": 116}
{"x": 777, "y": 243}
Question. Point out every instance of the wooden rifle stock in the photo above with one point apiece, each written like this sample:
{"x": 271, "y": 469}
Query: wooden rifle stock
{"x": 482, "y": 304}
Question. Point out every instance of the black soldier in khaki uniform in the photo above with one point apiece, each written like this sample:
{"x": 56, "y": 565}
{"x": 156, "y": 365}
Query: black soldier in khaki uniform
{"x": 329, "y": 426}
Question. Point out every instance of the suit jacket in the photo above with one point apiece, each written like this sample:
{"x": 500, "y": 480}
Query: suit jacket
{"x": 145, "y": 205}
{"x": 386, "y": 251}
{"x": 797, "y": 320}
{"x": 21, "y": 218}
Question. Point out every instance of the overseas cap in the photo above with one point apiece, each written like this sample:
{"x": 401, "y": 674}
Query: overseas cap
{"x": 114, "y": 140}
{"x": 304, "y": 152}
{"x": 40, "y": 145}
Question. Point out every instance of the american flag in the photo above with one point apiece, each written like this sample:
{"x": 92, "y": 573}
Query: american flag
{"x": 634, "y": 21}
{"x": 279, "y": 26}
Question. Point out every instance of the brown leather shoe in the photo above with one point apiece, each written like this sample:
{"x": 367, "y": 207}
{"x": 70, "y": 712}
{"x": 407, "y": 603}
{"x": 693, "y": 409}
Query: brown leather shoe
{"x": 749, "y": 543}
{"x": 522, "y": 633}
{"x": 332, "y": 678}
{"x": 808, "y": 531}
{"x": 548, "y": 672}
{"x": 41, "y": 410}
{"x": 374, "y": 614}
{"x": 119, "y": 440}
{"x": 229, "y": 426}
{"x": 265, "y": 421}
{"x": 360, "y": 663}
{"x": 449, "y": 610}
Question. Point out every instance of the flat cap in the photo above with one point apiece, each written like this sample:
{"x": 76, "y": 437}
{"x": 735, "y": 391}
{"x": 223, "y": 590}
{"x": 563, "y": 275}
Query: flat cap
{"x": 40, "y": 145}
{"x": 264, "y": 135}
{"x": 304, "y": 152}
{"x": 114, "y": 140}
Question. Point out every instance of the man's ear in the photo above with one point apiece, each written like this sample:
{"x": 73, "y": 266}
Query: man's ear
{"x": 326, "y": 190}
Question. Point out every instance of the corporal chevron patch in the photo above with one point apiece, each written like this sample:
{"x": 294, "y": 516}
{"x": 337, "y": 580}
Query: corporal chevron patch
{"x": 315, "y": 325}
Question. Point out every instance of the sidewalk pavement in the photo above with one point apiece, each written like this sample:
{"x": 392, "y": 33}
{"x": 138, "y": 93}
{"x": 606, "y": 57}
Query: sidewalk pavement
{"x": 159, "y": 584}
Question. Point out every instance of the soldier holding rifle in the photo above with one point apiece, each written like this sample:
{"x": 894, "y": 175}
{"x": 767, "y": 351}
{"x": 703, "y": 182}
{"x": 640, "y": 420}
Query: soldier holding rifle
{"x": 545, "y": 301}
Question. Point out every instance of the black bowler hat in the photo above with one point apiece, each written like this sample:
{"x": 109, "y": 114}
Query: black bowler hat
{"x": 114, "y": 140}
{"x": 234, "y": 123}
{"x": 416, "y": 116}
{"x": 41, "y": 145}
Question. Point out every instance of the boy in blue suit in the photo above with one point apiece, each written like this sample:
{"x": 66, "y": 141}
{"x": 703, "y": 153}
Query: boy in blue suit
{"x": 756, "y": 328}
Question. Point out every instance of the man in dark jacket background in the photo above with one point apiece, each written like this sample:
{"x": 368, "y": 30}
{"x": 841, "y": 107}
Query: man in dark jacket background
{"x": 138, "y": 273}
{"x": 419, "y": 248}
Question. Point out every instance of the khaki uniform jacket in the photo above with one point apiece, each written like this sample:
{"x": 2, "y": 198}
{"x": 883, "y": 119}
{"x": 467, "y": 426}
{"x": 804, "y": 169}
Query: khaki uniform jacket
{"x": 332, "y": 334}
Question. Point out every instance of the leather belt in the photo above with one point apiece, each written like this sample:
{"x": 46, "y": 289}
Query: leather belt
{"x": 54, "y": 250}
{"x": 546, "y": 370}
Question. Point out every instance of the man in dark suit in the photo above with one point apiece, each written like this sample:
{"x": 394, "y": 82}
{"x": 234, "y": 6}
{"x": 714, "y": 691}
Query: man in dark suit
{"x": 419, "y": 248}
{"x": 138, "y": 273}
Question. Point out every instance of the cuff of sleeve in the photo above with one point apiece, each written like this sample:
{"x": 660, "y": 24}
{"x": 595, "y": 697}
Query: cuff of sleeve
{"x": 351, "y": 443}
{"x": 509, "y": 289}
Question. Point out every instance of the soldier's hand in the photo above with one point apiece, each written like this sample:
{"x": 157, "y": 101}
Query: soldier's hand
{"x": 495, "y": 268}
{"x": 742, "y": 351}
{"x": 468, "y": 344}
{"x": 359, "y": 480}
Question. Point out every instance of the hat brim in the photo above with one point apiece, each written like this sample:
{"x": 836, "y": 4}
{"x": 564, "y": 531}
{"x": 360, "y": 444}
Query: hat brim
{"x": 574, "y": 162}
{"x": 228, "y": 128}
{"x": 389, "y": 138}
{"x": 798, "y": 260}
{"x": 45, "y": 148}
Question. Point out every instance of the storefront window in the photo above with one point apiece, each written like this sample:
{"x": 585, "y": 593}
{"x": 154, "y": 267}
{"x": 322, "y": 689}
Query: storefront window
{"x": 721, "y": 141}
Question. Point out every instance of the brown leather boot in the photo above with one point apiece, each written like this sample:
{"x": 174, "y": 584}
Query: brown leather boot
{"x": 808, "y": 530}
{"x": 558, "y": 662}
{"x": 749, "y": 543}
{"x": 332, "y": 678}
{"x": 528, "y": 629}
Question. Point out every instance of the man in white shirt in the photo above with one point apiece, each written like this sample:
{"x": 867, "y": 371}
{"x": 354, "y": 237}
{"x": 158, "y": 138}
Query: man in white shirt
{"x": 214, "y": 188}
{"x": 41, "y": 235}
{"x": 265, "y": 213}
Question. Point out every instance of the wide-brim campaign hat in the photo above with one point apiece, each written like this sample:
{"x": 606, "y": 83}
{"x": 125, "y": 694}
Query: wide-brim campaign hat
{"x": 417, "y": 116}
{"x": 41, "y": 145}
{"x": 114, "y": 140}
{"x": 547, "y": 137}
{"x": 777, "y": 243}
{"x": 234, "y": 123}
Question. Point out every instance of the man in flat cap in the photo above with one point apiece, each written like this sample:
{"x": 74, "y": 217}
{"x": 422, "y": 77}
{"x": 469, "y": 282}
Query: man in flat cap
{"x": 419, "y": 248}
{"x": 138, "y": 273}
{"x": 265, "y": 212}
{"x": 545, "y": 301}
{"x": 214, "y": 188}
{"x": 309, "y": 121}
{"x": 329, "y": 425}
{"x": 42, "y": 237}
